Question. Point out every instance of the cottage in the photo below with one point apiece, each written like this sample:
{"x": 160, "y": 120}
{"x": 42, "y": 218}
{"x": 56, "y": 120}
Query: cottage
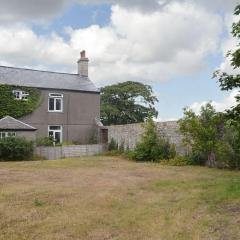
{"x": 69, "y": 109}
{"x": 11, "y": 127}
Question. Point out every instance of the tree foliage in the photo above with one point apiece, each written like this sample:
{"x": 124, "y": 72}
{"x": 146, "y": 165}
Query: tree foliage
{"x": 15, "y": 149}
{"x": 128, "y": 102}
{"x": 202, "y": 133}
{"x": 231, "y": 81}
{"x": 211, "y": 138}
{"x": 152, "y": 147}
{"x": 17, "y": 108}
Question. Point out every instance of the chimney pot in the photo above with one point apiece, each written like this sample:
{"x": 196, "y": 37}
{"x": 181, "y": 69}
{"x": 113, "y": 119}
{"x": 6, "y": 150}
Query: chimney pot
{"x": 83, "y": 54}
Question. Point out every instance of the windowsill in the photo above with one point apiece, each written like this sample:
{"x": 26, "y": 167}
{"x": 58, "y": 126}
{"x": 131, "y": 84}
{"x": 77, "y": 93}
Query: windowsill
{"x": 55, "y": 111}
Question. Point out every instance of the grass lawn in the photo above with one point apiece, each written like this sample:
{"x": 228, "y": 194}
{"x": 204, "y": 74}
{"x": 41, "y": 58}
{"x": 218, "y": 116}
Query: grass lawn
{"x": 103, "y": 198}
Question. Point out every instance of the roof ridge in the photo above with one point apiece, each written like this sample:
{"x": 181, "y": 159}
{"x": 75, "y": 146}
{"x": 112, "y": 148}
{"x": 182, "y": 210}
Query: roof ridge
{"x": 16, "y": 120}
{"x": 7, "y": 116}
{"x": 37, "y": 70}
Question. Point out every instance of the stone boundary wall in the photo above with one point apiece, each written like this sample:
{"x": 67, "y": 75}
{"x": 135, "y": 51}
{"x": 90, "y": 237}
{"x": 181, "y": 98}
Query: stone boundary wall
{"x": 130, "y": 134}
{"x": 52, "y": 153}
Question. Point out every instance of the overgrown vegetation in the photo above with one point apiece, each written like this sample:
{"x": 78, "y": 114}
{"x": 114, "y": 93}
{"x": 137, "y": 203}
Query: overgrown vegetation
{"x": 211, "y": 138}
{"x": 152, "y": 147}
{"x": 45, "y": 141}
{"x": 17, "y": 108}
{"x": 232, "y": 81}
{"x": 177, "y": 161}
{"x": 112, "y": 146}
{"x": 15, "y": 149}
{"x": 229, "y": 82}
{"x": 214, "y": 138}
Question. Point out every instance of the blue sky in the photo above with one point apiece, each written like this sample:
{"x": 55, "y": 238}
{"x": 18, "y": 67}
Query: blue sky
{"x": 76, "y": 16}
{"x": 174, "y": 47}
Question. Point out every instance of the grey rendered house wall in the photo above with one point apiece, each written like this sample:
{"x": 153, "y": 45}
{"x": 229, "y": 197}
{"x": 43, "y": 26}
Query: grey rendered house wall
{"x": 80, "y": 109}
{"x": 28, "y": 135}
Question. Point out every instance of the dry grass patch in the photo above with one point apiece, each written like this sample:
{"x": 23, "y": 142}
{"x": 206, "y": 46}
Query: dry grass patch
{"x": 109, "y": 198}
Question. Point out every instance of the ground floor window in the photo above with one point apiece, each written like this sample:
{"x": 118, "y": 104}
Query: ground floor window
{"x": 56, "y": 133}
{"x": 7, "y": 134}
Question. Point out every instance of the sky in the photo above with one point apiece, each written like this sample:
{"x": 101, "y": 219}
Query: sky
{"x": 172, "y": 45}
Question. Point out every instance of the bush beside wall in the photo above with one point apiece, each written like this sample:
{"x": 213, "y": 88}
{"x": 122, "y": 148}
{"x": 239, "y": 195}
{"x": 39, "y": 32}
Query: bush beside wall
{"x": 16, "y": 149}
{"x": 152, "y": 147}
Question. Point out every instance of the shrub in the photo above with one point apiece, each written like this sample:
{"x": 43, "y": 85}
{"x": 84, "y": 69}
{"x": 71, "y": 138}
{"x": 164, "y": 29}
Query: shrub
{"x": 177, "y": 161}
{"x": 197, "y": 158}
{"x": 121, "y": 148}
{"x": 128, "y": 154}
{"x": 229, "y": 151}
{"x": 45, "y": 141}
{"x": 112, "y": 146}
{"x": 227, "y": 157}
{"x": 151, "y": 147}
{"x": 213, "y": 138}
{"x": 15, "y": 149}
{"x": 167, "y": 150}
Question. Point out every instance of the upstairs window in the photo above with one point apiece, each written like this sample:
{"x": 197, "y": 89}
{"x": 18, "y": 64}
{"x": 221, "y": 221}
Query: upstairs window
{"x": 20, "y": 95}
{"x": 55, "y": 102}
{"x": 7, "y": 134}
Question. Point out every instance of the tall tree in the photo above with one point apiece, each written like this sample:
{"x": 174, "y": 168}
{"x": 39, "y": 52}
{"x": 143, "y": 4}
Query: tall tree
{"x": 232, "y": 81}
{"x": 127, "y": 102}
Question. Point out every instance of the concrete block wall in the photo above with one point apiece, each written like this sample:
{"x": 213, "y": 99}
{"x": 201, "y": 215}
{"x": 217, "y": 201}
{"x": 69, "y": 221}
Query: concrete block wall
{"x": 82, "y": 150}
{"x": 130, "y": 134}
{"x": 52, "y": 153}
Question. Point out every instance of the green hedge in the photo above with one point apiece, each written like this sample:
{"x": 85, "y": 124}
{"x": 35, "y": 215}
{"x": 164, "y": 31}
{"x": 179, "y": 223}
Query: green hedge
{"x": 17, "y": 108}
{"x": 15, "y": 149}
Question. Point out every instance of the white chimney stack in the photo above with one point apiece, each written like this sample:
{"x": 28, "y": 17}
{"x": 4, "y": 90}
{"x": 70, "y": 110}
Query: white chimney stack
{"x": 83, "y": 64}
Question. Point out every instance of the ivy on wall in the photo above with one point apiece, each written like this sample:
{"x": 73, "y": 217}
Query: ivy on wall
{"x": 14, "y": 107}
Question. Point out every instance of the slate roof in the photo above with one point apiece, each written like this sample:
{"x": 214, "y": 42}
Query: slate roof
{"x": 44, "y": 79}
{"x": 10, "y": 123}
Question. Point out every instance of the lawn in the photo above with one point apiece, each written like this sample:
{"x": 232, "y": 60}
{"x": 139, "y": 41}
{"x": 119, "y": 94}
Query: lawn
{"x": 103, "y": 198}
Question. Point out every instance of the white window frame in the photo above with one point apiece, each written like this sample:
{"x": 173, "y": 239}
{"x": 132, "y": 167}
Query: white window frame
{"x": 20, "y": 95}
{"x": 54, "y": 131}
{"x": 7, "y": 134}
{"x": 55, "y": 96}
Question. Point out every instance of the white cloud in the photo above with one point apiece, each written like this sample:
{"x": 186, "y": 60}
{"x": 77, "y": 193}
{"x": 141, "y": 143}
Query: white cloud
{"x": 220, "y": 106}
{"x": 35, "y": 10}
{"x": 153, "y": 46}
{"x": 15, "y": 10}
{"x": 160, "y": 119}
{"x": 20, "y": 46}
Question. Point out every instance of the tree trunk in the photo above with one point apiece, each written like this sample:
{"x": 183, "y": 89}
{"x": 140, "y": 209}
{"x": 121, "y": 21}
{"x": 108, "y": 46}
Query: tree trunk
{"x": 211, "y": 162}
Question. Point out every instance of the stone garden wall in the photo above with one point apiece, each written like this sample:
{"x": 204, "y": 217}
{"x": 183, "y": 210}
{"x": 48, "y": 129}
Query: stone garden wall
{"x": 130, "y": 134}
